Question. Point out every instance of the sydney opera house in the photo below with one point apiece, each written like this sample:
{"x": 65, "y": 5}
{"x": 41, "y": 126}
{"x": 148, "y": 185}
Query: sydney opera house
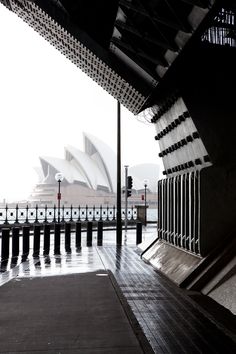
{"x": 90, "y": 177}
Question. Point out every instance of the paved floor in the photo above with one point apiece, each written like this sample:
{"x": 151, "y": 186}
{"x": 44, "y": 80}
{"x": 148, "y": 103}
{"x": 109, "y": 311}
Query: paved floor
{"x": 76, "y": 313}
{"x": 168, "y": 318}
{"x": 100, "y": 300}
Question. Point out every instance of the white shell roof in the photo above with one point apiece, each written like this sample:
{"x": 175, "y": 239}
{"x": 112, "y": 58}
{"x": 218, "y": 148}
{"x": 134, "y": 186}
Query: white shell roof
{"x": 103, "y": 155}
{"x": 69, "y": 172}
{"x": 88, "y": 167}
{"x": 96, "y": 167}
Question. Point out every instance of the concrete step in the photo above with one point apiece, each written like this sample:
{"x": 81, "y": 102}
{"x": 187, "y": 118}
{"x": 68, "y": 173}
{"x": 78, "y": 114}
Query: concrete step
{"x": 210, "y": 266}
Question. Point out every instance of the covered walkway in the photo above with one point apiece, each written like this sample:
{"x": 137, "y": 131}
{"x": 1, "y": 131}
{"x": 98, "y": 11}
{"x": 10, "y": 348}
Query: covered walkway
{"x": 102, "y": 300}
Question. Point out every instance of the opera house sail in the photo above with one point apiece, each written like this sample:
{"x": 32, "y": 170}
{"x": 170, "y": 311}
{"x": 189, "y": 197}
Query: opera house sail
{"x": 89, "y": 176}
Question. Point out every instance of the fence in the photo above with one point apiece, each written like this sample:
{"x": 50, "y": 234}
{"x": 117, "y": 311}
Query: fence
{"x": 18, "y": 241}
{"x": 29, "y": 215}
{"x": 178, "y": 213}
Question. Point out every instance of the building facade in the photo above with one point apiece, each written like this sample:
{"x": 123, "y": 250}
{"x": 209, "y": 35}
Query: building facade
{"x": 90, "y": 177}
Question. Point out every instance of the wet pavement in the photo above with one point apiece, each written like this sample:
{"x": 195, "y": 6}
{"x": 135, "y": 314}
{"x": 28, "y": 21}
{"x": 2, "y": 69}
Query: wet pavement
{"x": 75, "y": 313}
{"x": 101, "y": 300}
{"x": 170, "y": 320}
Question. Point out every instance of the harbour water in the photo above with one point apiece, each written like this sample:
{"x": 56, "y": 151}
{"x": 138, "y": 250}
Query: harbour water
{"x": 151, "y": 215}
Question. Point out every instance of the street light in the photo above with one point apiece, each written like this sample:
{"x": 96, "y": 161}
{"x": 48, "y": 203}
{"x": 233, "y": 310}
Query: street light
{"x": 118, "y": 172}
{"x": 145, "y": 200}
{"x": 126, "y": 197}
{"x": 59, "y": 178}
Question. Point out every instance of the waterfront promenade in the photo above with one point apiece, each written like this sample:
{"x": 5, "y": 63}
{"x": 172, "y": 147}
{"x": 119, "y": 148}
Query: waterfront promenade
{"x": 104, "y": 299}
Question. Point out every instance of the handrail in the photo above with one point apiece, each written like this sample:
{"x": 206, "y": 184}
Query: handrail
{"x": 46, "y": 214}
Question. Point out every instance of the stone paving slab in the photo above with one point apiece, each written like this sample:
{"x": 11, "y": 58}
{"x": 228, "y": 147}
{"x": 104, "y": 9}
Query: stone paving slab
{"x": 77, "y": 313}
{"x": 169, "y": 319}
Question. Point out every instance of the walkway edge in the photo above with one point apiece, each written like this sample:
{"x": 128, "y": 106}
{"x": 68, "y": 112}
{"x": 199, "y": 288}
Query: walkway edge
{"x": 144, "y": 343}
{"x": 188, "y": 296}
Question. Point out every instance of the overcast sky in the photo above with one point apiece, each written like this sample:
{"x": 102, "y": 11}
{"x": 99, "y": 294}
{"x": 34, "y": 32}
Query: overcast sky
{"x": 46, "y": 102}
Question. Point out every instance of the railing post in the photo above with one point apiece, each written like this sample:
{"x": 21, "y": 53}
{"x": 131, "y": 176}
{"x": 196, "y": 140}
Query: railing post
{"x": 71, "y": 213}
{"x": 27, "y": 214}
{"x": 132, "y": 212}
{"x": 15, "y": 242}
{"x": 100, "y": 212}
{"x": 25, "y": 236}
{"x": 46, "y": 241}
{"x": 86, "y": 213}
{"x": 94, "y": 212}
{"x": 5, "y": 244}
{"x": 89, "y": 233}
{"x": 45, "y": 214}
{"x": 36, "y": 241}
{"x": 57, "y": 238}
{"x": 6, "y": 220}
{"x": 107, "y": 213}
{"x": 36, "y": 214}
{"x": 138, "y": 233}
{"x": 78, "y": 235}
{"x": 17, "y": 209}
{"x": 63, "y": 213}
{"x": 54, "y": 213}
{"x": 67, "y": 237}
{"x": 100, "y": 233}
{"x": 78, "y": 213}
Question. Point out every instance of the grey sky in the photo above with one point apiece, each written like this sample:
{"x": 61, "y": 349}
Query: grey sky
{"x": 46, "y": 103}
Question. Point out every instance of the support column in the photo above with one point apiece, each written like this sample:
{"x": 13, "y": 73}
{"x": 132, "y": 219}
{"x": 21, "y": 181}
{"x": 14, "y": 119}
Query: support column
{"x": 118, "y": 192}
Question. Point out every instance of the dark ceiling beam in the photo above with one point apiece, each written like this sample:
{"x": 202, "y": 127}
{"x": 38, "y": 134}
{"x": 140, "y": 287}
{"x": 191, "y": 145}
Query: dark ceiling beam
{"x": 200, "y": 3}
{"x": 138, "y": 61}
{"x": 159, "y": 19}
{"x": 156, "y": 27}
{"x": 138, "y": 53}
{"x": 230, "y": 4}
{"x": 145, "y": 37}
{"x": 7, "y": 4}
{"x": 182, "y": 25}
{"x": 148, "y": 52}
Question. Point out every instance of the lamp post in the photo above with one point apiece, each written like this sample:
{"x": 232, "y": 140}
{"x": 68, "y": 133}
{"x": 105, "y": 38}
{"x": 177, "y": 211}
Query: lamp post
{"x": 59, "y": 178}
{"x": 145, "y": 201}
{"x": 118, "y": 191}
{"x": 126, "y": 197}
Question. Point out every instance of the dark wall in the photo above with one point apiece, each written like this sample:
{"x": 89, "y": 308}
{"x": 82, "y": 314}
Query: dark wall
{"x": 205, "y": 78}
{"x": 218, "y": 207}
{"x": 208, "y": 89}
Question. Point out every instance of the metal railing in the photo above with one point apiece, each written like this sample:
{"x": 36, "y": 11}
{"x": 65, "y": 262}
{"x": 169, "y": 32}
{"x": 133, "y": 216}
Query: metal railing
{"x": 31, "y": 215}
{"x": 178, "y": 212}
{"x": 222, "y": 30}
{"x": 20, "y": 242}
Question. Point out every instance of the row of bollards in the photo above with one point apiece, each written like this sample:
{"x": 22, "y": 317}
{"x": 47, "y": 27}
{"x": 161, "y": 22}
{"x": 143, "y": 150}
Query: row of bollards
{"x": 67, "y": 230}
{"x": 5, "y": 249}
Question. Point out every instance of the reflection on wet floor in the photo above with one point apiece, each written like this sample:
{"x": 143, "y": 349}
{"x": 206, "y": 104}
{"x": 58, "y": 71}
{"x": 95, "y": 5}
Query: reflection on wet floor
{"x": 85, "y": 260}
{"x": 170, "y": 322}
{"x": 109, "y": 238}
